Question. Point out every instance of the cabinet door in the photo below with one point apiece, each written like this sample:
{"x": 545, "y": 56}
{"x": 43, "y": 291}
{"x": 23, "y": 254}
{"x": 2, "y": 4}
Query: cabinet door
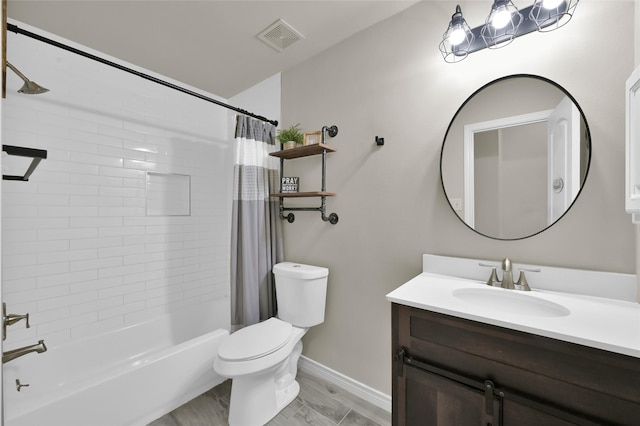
{"x": 433, "y": 400}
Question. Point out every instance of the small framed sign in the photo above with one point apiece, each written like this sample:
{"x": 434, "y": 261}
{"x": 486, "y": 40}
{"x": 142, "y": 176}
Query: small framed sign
{"x": 312, "y": 138}
{"x": 290, "y": 184}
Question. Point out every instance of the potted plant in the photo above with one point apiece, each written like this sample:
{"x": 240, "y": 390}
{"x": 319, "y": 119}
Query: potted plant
{"x": 291, "y": 136}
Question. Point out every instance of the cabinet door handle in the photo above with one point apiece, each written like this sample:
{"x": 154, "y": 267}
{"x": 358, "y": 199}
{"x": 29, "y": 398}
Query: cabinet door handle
{"x": 399, "y": 358}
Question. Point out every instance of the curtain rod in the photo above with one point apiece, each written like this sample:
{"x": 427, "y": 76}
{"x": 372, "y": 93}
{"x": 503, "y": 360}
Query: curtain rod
{"x": 14, "y": 28}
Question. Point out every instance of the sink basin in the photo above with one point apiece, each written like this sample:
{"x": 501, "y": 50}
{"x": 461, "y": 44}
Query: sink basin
{"x": 510, "y": 301}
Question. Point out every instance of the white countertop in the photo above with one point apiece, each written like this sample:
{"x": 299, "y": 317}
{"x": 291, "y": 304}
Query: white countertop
{"x": 609, "y": 324}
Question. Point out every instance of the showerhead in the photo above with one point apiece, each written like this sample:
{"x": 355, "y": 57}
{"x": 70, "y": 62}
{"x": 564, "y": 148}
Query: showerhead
{"x": 29, "y": 87}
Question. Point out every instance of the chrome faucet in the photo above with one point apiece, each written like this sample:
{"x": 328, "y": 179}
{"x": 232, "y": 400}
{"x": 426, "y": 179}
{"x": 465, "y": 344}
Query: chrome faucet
{"x": 16, "y": 353}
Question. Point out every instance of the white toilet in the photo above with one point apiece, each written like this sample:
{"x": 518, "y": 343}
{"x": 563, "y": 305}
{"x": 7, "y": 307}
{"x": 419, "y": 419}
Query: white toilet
{"x": 262, "y": 359}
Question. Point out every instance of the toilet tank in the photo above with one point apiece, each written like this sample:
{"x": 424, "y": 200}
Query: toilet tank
{"x": 301, "y": 292}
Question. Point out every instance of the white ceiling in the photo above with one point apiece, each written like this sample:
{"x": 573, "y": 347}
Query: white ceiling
{"x": 208, "y": 44}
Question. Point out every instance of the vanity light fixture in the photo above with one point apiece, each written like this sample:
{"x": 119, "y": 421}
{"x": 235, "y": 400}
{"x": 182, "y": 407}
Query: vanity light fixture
{"x": 504, "y": 23}
{"x": 457, "y": 40}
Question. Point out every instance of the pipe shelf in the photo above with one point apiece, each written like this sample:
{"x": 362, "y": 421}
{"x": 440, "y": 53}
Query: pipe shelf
{"x": 306, "y": 151}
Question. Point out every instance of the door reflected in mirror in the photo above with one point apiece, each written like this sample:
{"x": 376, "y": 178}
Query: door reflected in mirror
{"x": 515, "y": 157}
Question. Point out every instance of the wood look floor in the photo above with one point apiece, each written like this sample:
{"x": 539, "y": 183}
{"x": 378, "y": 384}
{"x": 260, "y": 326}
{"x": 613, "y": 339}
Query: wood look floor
{"x": 319, "y": 403}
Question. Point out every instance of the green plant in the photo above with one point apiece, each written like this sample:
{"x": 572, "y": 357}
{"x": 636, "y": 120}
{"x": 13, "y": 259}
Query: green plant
{"x": 292, "y": 133}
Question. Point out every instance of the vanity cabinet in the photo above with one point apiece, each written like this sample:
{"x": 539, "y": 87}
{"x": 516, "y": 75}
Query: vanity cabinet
{"x": 453, "y": 371}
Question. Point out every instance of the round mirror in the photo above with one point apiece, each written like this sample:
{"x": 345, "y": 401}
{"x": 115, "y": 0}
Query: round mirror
{"x": 515, "y": 157}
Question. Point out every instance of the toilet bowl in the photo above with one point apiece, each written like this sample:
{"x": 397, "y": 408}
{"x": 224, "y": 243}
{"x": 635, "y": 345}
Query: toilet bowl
{"x": 262, "y": 359}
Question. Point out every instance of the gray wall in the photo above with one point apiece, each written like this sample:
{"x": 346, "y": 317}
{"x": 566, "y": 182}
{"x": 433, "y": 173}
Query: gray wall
{"x": 391, "y": 81}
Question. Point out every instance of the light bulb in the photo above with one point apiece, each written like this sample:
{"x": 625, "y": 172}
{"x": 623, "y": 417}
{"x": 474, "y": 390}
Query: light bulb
{"x": 551, "y": 4}
{"x": 457, "y": 36}
{"x": 501, "y": 17}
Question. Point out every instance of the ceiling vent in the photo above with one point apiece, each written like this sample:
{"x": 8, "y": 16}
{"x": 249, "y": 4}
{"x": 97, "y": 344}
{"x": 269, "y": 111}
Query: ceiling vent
{"x": 280, "y": 35}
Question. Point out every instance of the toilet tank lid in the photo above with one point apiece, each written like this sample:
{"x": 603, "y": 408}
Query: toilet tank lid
{"x": 299, "y": 270}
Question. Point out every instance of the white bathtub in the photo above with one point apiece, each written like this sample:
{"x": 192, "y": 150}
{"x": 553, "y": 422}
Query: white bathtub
{"x": 127, "y": 377}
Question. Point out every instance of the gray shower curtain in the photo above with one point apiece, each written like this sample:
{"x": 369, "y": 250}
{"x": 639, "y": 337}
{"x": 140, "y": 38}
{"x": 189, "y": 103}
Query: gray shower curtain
{"x": 256, "y": 238}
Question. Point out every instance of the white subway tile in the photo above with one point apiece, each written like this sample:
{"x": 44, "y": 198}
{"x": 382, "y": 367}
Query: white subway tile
{"x": 73, "y": 188}
{"x": 95, "y": 284}
{"x": 13, "y": 210}
{"x": 120, "y": 271}
{"x": 96, "y": 304}
{"x": 69, "y": 167}
{"x": 121, "y": 153}
{"x": 111, "y": 191}
{"x": 67, "y": 211}
{"x": 17, "y": 272}
{"x": 65, "y": 234}
{"x": 35, "y": 295}
{"x": 119, "y": 172}
{"x": 93, "y": 264}
{"x": 126, "y": 251}
{"x": 97, "y": 327}
{"x": 121, "y": 211}
{"x": 19, "y": 235}
{"x": 94, "y": 222}
{"x": 97, "y": 180}
{"x": 65, "y": 302}
{"x": 121, "y": 310}
{"x": 95, "y": 201}
{"x": 143, "y": 165}
{"x": 144, "y": 315}
{"x": 92, "y": 137}
{"x": 67, "y": 256}
{"x": 96, "y": 243}
{"x": 58, "y": 280}
{"x": 126, "y": 134}
{"x": 101, "y": 160}
{"x": 122, "y": 291}
{"x": 22, "y": 284}
{"x": 121, "y": 231}
{"x": 67, "y": 323}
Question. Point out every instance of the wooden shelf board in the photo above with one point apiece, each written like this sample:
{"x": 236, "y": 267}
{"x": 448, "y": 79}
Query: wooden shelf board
{"x": 302, "y": 151}
{"x": 304, "y": 194}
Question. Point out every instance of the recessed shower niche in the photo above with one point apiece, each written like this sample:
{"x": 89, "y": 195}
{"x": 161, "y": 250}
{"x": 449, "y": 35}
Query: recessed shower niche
{"x": 168, "y": 194}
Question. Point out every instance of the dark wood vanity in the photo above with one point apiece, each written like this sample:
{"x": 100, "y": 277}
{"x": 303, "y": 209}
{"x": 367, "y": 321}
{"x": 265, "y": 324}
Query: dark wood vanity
{"x": 451, "y": 371}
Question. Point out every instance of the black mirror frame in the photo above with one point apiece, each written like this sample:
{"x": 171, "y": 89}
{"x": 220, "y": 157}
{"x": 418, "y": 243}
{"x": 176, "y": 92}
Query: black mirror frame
{"x": 589, "y": 146}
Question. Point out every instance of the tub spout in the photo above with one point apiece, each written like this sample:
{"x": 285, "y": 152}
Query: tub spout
{"x": 16, "y": 353}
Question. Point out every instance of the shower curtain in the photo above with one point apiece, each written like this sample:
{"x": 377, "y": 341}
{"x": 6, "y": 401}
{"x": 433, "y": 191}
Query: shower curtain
{"x": 256, "y": 238}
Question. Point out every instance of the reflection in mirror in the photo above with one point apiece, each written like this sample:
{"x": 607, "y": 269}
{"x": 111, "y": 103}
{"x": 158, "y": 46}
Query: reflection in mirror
{"x": 515, "y": 157}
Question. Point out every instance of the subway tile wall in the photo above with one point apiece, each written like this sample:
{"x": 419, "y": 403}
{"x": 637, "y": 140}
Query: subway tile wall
{"x": 79, "y": 252}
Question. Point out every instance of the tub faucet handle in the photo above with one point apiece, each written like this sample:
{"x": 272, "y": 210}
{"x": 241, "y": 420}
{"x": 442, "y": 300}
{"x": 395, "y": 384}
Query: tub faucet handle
{"x": 11, "y": 319}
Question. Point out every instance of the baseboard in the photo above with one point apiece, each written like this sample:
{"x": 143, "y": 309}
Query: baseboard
{"x": 361, "y": 390}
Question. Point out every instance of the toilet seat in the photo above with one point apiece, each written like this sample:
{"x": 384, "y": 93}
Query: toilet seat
{"x": 256, "y": 341}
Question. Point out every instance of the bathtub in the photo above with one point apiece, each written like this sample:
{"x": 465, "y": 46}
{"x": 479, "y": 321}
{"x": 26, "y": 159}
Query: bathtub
{"x": 129, "y": 376}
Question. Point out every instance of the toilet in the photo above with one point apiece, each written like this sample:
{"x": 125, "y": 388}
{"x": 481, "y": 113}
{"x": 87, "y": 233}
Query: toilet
{"x": 262, "y": 359}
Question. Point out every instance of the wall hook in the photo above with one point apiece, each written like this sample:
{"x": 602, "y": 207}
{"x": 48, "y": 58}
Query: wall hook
{"x": 379, "y": 141}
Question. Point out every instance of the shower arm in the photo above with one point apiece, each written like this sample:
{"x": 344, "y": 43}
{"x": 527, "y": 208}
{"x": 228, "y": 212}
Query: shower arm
{"x": 18, "y": 73}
